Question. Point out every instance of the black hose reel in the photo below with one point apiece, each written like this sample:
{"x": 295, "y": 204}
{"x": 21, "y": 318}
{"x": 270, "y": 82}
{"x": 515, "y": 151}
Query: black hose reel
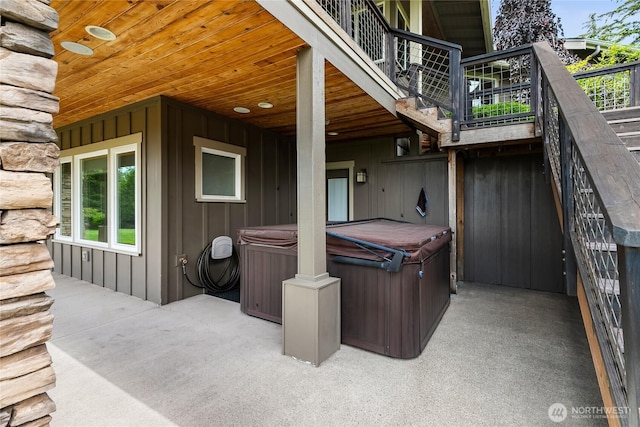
{"x": 220, "y": 257}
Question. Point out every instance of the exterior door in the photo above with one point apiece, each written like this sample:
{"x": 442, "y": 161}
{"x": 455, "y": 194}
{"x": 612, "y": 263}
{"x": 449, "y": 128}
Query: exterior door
{"x": 338, "y": 195}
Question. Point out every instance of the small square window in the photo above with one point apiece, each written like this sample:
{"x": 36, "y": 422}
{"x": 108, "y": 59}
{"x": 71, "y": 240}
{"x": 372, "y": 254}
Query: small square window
{"x": 219, "y": 171}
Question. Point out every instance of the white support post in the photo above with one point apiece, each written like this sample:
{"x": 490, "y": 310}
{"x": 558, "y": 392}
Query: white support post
{"x": 311, "y": 300}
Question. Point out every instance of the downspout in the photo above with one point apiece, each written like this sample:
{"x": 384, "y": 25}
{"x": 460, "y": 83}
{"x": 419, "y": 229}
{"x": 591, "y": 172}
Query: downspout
{"x": 594, "y": 53}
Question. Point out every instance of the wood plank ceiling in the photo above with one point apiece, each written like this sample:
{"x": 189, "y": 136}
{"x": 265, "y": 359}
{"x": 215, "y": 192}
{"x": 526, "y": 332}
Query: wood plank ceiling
{"x": 215, "y": 55}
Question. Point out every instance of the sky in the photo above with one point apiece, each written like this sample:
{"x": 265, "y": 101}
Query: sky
{"x": 573, "y": 14}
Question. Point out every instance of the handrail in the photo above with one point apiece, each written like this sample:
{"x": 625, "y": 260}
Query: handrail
{"x": 600, "y": 205}
{"x": 489, "y": 80}
{"x": 614, "y": 87}
{"x": 424, "y": 67}
{"x": 497, "y": 56}
{"x": 606, "y": 70}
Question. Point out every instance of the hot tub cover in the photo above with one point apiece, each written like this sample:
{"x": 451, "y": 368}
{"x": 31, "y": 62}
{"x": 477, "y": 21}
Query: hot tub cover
{"x": 419, "y": 241}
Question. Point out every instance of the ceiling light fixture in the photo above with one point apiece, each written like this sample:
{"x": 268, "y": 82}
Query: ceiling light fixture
{"x": 78, "y": 48}
{"x": 332, "y": 133}
{"x": 100, "y": 33}
{"x": 241, "y": 110}
{"x": 265, "y": 105}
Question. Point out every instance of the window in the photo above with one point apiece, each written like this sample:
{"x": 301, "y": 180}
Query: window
{"x": 98, "y": 195}
{"x": 63, "y": 192}
{"x": 219, "y": 171}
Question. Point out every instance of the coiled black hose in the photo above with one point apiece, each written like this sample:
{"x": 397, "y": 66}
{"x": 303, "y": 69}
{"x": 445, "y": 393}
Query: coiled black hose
{"x": 205, "y": 277}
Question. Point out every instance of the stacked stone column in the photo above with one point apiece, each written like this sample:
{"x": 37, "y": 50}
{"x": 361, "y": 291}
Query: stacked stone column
{"x": 27, "y": 154}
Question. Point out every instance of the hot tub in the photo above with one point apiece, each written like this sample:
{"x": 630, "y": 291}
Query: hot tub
{"x": 394, "y": 279}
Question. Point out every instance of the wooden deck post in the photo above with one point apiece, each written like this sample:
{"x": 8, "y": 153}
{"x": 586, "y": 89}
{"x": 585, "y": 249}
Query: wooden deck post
{"x": 453, "y": 219}
{"x": 311, "y": 300}
{"x": 629, "y": 269}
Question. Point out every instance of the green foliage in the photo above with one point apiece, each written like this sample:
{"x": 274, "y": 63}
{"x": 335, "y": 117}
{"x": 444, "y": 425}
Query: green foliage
{"x": 616, "y": 54}
{"x": 609, "y": 91}
{"x": 618, "y": 25}
{"x": 500, "y": 109}
{"x": 93, "y": 218}
{"x": 127, "y": 236}
{"x": 127, "y": 197}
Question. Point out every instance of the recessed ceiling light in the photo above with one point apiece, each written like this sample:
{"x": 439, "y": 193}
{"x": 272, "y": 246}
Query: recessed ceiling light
{"x": 241, "y": 110}
{"x": 78, "y": 48}
{"x": 100, "y": 33}
{"x": 332, "y": 133}
{"x": 265, "y": 105}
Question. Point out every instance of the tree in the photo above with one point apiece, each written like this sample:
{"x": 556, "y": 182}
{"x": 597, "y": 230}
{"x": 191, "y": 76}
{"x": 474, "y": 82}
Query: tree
{"x": 521, "y": 22}
{"x": 617, "y": 25}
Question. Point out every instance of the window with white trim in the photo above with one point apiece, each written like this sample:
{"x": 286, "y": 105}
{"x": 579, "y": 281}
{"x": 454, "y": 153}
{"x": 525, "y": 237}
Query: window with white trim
{"x": 98, "y": 195}
{"x": 219, "y": 171}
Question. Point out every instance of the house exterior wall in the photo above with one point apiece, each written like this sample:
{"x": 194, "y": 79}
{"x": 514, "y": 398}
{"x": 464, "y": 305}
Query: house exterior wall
{"x": 394, "y": 183}
{"x": 270, "y": 187}
{"x": 173, "y": 222}
{"x": 129, "y": 274}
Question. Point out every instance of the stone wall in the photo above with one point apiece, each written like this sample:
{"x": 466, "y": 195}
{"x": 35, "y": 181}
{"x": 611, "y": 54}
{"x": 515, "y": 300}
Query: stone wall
{"x": 27, "y": 153}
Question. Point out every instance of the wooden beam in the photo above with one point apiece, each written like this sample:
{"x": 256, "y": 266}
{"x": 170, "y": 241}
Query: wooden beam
{"x": 460, "y": 216}
{"x": 425, "y": 120}
{"x": 557, "y": 203}
{"x": 453, "y": 218}
{"x": 521, "y": 133}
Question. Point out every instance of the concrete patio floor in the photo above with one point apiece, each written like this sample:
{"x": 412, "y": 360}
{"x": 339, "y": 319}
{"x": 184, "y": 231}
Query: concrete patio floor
{"x": 501, "y": 356}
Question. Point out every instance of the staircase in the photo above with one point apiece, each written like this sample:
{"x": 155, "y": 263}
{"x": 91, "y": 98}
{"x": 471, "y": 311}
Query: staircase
{"x": 436, "y": 129}
{"x": 626, "y": 123}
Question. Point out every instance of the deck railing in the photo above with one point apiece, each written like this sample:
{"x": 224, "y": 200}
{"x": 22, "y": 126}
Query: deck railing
{"x": 597, "y": 180}
{"x": 424, "y": 67}
{"x": 497, "y": 88}
{"x": 598, "y": 183}
{"x": 612, "y": 88}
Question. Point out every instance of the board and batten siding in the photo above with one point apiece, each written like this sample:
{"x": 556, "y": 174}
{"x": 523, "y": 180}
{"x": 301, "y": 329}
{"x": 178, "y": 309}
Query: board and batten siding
{"x": 512, "y": 233}
{"x": 173, "y": 223}
{"x": 270, "y": 187}
{"x": 132, "y": 275}
{"x": 393, "y": 183}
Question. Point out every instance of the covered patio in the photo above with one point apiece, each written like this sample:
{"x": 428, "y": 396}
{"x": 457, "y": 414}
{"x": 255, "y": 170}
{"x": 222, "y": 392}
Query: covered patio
{"x": 500, "y": 356}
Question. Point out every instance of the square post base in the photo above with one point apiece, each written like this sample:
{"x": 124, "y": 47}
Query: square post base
{"x": 311, "y": 318}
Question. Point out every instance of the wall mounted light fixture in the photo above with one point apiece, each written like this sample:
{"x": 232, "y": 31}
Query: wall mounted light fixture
{"x": 361, "y": 176}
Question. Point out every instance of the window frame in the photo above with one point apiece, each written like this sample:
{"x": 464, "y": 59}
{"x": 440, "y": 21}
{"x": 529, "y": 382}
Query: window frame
{"x": 239, "y": 154}
{"x": 57, "y": 197}
{"x": 113, "y": 182}
{"x": 111, "y": 148}
{"x": 76, "y": 208}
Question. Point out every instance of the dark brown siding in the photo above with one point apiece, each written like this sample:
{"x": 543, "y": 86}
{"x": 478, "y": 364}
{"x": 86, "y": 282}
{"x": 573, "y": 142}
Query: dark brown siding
{"x": 512, "y": 235}
{"x": 173, "y": 222}
{"x": 270, "y": 187}
{"x": 393, "y": 184}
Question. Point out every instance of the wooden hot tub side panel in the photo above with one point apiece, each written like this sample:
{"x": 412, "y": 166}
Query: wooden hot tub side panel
{"x": 263, "y": 271}
{"x": 364, "y": 295}
{"x": 393, "y": 314}
{"x": 435, "y": 298}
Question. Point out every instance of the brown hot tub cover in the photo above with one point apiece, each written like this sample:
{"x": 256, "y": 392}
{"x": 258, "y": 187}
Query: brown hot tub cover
{"x": 418, "y": 241}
